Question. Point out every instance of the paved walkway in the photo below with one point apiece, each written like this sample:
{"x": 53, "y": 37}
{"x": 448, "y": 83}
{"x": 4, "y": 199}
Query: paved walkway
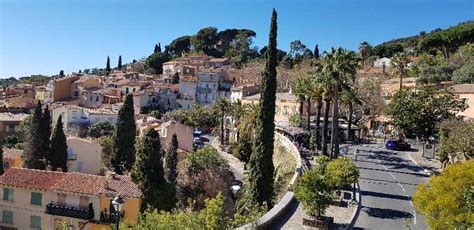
{"x": 236, "y": 166}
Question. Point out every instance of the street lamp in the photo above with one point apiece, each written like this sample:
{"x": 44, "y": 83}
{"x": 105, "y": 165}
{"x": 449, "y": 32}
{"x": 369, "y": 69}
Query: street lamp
{"x": 118, "y": 203}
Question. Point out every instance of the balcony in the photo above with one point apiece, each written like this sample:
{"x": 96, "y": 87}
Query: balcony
{"x": 78, "y": 213}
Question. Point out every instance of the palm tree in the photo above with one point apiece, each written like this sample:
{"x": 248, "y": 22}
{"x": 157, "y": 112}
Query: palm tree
{"x": 316, "y": 93}
{"x": 223, "y": 106}
{"x": 339, "y": 69}
{"x": 399, "y": 66}
{"x": 237, "y": 112}
{"x": 350, "y": 98}
{"x": 302, "y": 90}
{"x": 299, "y": 90}
{"x": 364, "y": 50}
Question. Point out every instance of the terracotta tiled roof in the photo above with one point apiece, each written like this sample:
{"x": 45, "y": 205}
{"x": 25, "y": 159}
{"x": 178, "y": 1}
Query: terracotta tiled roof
{"x": 12, "y": 153}
{"x": 70, "y": 182}
{"x": 188, "y": 78}
{"x": 13, "y": 116}
{"x": 31, "y": 178}
{"x": 173, "y": 87}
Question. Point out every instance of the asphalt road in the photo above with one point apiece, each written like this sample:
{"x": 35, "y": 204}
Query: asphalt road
{"x": 387, "y": 181}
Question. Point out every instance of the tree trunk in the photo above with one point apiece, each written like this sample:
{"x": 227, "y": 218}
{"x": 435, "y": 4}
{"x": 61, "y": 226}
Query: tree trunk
{"x": 349, "y": 122}
{"x": 335, "y": 126}
{"x": 308, "y": 114}
{"x": 222, "y": 129}
{"x": 301, "y": 107}
{"x": 318, "y": 123}
{"x": 324, "y": 135}
{"x": 401, "y": 81}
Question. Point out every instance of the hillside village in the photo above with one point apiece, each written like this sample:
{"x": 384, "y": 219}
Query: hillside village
{"x": 193, "y": 95}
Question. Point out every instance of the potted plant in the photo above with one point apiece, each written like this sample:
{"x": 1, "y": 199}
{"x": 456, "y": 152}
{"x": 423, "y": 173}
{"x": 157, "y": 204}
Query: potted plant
{"x": 315, "y": 194}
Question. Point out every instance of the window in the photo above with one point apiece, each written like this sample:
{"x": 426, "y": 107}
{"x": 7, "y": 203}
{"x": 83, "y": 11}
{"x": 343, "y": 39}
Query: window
{"x": 35, "y": 222}
{"x": 90, "y": 98}
{"x": 83, "y": 202}
{"x": 36, "y": 198}
{"x": 11, "y": 128}
{"x": 8, "y": 194}
{"x": 97, "y": 98}
{"x": 7, "y": 217}
{"x": 61, "y": 199}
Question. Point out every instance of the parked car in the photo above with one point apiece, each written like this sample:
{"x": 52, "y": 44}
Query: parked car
{"x": 397, "y": 145}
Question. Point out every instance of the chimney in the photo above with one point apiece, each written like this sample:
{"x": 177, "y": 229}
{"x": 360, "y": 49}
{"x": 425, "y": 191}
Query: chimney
{"x": 49, "y": 168}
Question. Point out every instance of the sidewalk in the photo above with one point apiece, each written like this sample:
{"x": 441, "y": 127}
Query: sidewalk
{"x": 432, "y": 166}
{"x": 236, "y": 166}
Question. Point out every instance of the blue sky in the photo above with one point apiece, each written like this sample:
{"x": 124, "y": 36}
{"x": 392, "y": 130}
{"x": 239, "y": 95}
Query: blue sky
{"x": 43, "y": 37}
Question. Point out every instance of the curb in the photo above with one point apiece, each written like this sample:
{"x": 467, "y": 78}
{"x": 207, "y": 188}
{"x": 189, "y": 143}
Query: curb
{"x": 356, "y": 213}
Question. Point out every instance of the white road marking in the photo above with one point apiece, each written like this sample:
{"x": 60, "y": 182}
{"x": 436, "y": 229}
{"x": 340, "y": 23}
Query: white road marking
{"x": 401, "y": 186}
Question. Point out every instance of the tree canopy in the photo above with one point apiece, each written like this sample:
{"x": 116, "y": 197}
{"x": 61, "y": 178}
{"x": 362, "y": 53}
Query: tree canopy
{"x": 456, "y": 142}
{"x": 123, "y": 156}
{"x": 447, "y": 200}
{"x": 418, "y": 113}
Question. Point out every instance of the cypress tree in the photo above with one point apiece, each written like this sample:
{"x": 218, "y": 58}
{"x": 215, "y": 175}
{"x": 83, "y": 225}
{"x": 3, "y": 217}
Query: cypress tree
{"x": 107, "y": 66}
{"x": 156, "y": 49}
{"x": 59, "y": 147}
{"x": 148, "y": 171}
{"x": 171, "y": 160}
{"x": 1, "y": 160}
{"x": 159, "y": 48}
{"x": 261, "y": 162}
{"x": 120, "y": 62}
{"x": 61, "y": 73}
{"x": 33, "y": 152}
{"x": 316, "y": 52}
{"x": 123, "y": 155}
{"x": 46, "y": 133}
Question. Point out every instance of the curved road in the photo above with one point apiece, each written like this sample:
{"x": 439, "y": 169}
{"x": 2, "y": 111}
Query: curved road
{"x": 387, "y": 181}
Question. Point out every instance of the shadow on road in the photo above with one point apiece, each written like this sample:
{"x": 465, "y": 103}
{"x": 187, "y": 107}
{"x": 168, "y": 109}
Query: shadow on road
{"x": 386, "y": 213}
{"x": 394, "y": 171}
{"x": 387, "y": 181}
{"x": 384, "y": 195}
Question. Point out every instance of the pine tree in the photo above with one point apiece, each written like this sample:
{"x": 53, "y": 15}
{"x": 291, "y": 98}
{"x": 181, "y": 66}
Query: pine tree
{"x": 107, "y": 66}
{"x": 123, "y": 155}
{"x": 33, "y": 153}
{"x": 261, "y": 162}
{"x": 59, "y": 147}
{"x": 46, "y": 133}
{"x": 120, "y": 62}
{"x": 159, "y": 48}
{"x": 156, "y": 49}
{"x": 171, "y": 160}
{"x": 316, "y": 52}
{"x": 1, "y": 160}
{"x": 148, "y": 172}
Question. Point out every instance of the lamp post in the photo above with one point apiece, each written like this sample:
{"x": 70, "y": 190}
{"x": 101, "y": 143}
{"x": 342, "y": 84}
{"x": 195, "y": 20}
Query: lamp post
{"x": 118, "y": 203}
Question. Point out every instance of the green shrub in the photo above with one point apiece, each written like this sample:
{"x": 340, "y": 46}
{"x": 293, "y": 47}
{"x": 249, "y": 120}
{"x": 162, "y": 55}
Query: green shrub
{"x": 314, "y": 192}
